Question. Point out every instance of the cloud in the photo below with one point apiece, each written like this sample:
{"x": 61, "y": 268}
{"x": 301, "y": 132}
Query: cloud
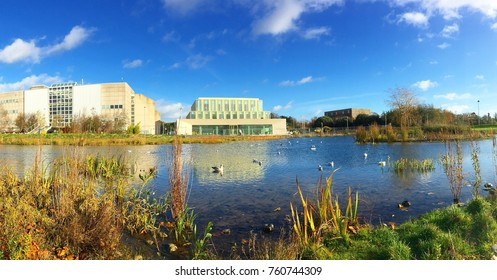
{"x": 20, "y": 50}
{"x": 315, "y": 33}
{"x": 443, "y": 46}
{"x": 414, "y": 18}
{"x": 456, "y": 109}
{"x": 494, "y": 26}
{"x": 182, "y": 7}
{"x": 425, "y": 85}
{"x": 450, "y": 30}
{"x": 281, "y": 16}
{"x": 480, "y": 77}
{"x": 449, "y": 9}
{"x": 169, "y": 110}
{"x": 30, "y": 81}
{"x": 132, "y": 64}
{"x": 305, "y": 80}
{"x": 75, "y": 38}
{"x": 454, "y": 96}
{"x": 24, "y": 51}
{"x": 197, "y": 61}
{"x": 278, "y": 108}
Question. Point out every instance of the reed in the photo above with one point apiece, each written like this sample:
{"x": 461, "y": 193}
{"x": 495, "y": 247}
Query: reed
{"x": 404, "y": 165}
{"x": 325, "y": 216}
{"x": 452, "y": 164}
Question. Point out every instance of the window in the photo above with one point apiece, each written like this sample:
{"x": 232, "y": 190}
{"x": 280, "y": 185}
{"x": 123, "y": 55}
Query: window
{"x": 239, "y": 105}
{"x": 219, "y": 105}
{"x": 245, "y": 105}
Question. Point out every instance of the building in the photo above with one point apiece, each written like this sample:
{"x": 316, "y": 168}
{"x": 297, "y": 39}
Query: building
{"x": 350, "y": 113}
{"x": 229, "y": 116}
{"x": 58, "y": 105}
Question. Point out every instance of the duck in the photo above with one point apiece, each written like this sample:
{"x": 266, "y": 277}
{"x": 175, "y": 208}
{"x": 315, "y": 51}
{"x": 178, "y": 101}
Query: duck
{"x": 218, "y": 169}
{"x": 320, "y": 168}
{"x": 365, "y": 155}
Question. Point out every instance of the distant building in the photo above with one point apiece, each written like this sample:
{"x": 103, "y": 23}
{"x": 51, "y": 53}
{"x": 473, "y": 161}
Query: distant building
{"x": 59, "y": 103}
{"x": 229, "y": 116}
{"x": 350, "y": 113}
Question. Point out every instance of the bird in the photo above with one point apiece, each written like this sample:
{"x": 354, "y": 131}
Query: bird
{"x": 255, "y": 160}
{"x": 260, "y": 163}
{"x": 320, "y": 168}
{"x": 382, "y": 163}
{"x": 218, "y": 169}
{"x": 332, "y": 164}
{"x": 365, "y": 155}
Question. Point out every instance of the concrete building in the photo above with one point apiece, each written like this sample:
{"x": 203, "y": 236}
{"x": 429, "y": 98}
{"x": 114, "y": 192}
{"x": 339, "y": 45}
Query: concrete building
{"x": 60, "y": 103}
{"x": 229, "y": 116}
{"x": 350, "y": 113}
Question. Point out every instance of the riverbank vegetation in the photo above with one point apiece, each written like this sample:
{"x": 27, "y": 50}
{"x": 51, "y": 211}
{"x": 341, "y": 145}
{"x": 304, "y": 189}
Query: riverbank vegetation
{"x": 93, "y": 207}
{"x": 103, "y": 139}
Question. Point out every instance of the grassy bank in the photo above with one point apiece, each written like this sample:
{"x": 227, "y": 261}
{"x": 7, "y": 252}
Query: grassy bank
{"x": 78, "y": 139}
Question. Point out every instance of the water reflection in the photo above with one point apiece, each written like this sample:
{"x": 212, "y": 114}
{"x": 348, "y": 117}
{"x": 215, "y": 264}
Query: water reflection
{"x": 244, "y": 198}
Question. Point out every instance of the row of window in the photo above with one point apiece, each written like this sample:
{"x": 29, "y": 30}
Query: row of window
{"x": 232, "y": 130}
{"x": 227, "y": 115}
{"x": 227, "y": 105}
{"x": 104, "y": 107}
{"x": 12, "y": 111}
{"x": 8, "y": 101}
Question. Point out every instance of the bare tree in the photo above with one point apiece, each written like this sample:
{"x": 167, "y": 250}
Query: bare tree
{"x": 405, "y": 102}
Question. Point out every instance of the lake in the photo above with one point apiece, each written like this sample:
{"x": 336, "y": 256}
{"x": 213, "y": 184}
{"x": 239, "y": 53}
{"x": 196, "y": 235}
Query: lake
{"x": 244, "y": 198}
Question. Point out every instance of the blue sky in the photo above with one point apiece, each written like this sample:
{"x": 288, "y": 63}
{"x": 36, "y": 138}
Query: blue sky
{"x": 301, "y": 57}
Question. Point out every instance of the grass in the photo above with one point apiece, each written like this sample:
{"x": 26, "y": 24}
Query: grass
{"x": 404, "y": 165}
{"x": 95, "y": 139}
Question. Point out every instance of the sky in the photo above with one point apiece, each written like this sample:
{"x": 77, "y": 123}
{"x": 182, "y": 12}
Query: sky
{"x": 301, "y": 57}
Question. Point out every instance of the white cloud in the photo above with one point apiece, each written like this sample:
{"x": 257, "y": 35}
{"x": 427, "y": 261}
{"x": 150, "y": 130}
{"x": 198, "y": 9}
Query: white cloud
{"x": 176, "y": 65}
{"x": 23, "y": 51}
{"x": 315, "y": 33}
{"x": 182, "y": 7}
{"x": 197, "y": 61}
{"x": 480, "y": 77}
{"x": 169, "y": 110}
{"x": 20, "y": 50}
{"x": 494, "y": 26}
{"x": 433, "y": 62}
{"x": 454, "y": 96}
{"x": 305, "y": 80}
{"x": 281, "y": 16}
{"x": 76, "y": 37}
{"x": 30, "y": 81}
{"x": 450, "y": 30}
{"x": 425, "y": 85}
{"x": 280, "y": 19}
{"x": 278, "y": 108}
{"x": 457, "y": 109}
{"x": 443, "y": 46}
{"x": 132, "y": 64}
{"x": 414, "y": 18}
{"x": 449, "y": 9}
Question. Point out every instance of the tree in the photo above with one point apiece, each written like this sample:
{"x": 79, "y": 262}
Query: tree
{"x": 404, "y": 101}
{"x": 4, "y": 119}
{"x": 323, "y": 121}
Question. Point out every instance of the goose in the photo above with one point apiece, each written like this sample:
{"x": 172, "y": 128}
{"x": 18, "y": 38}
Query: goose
{"x": 218, "y": 169}
{"x": 382, "y": 163}
{"x": 365, "y": 155}
{"x": 332, "y": 164}
{"x": 320, "y": 168}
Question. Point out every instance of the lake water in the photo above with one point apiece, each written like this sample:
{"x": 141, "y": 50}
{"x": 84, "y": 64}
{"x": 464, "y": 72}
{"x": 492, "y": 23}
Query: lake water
{"x": 244, "y": 198}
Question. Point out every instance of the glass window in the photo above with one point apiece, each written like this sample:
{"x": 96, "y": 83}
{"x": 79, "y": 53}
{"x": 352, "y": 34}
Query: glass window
{"x": 206, "y": 105}
{"x": 245, "y": 105}
{"x": 226, "y": 105}
{"x": 239, "y": 105}
{"x": 214, "y": 115}
{"x": 221, "y": 115}
{"x": 213, "y": 105}
{"x": 228, "y": 116}
{"x": 233, "y": 105}
{"x": 219, "y": 105}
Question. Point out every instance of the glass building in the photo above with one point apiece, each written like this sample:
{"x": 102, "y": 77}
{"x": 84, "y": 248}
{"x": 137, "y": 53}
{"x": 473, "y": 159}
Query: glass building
{"x": 229, "y": 116}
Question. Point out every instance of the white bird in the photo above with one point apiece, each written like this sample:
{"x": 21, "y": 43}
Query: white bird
{"x": 382, "y": 163}
{"x": 365, "y": 155}
{"x": 218, "y": 169}
{"x": 320, "y": 168}
{"x": 332, "y": 164}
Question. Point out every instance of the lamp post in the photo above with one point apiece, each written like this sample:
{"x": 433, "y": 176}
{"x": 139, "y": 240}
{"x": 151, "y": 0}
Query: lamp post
{"x": 478, "y": 112}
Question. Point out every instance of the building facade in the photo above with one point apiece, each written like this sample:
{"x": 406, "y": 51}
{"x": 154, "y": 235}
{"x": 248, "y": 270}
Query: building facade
{"x": 350, "y": 113}
{"x": 229, "y": 116}
{"x": 58, "y": 105}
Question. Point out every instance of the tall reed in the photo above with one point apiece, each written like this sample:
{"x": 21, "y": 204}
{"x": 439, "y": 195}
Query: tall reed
{"x": 452, "y": 164}
{"x": 178, "y": 177}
